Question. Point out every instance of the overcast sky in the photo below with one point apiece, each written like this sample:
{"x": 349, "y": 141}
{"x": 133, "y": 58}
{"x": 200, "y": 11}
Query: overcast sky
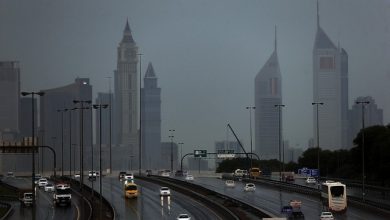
{"x": 206, "y": 54}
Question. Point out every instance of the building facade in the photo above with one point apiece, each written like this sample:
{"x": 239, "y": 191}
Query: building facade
{"x": 63, "y": 122}
{"x": 126, "y": 96}
{"x": 372, "y": 116}
{"x": 330, "y": 86}
{"x": 151, "y": 120}
{"x": 268, "y": 93}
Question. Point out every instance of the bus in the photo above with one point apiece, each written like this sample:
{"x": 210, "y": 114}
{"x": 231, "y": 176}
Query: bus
{"x": 334, "y": 196}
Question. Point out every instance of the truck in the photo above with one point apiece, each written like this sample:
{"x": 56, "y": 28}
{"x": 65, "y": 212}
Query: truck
{"x": 62, "y": 195}
{"x": 26, "y": 197}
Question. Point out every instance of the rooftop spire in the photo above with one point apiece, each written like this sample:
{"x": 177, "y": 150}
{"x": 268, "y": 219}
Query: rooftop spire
{"x": 127, "y": 37}
{"x": 318, "y": 15}
{"x": 276, "y": 40}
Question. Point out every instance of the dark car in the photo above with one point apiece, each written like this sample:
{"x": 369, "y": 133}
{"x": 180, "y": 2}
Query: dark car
{"x": 296, "y": 215}
{"x": 290, "y": 178}
{"x": 179, "y": 173}
{"x": 287, "y": 209}
{"x": 122, "y": 175}
{"x": 149, "y": 172}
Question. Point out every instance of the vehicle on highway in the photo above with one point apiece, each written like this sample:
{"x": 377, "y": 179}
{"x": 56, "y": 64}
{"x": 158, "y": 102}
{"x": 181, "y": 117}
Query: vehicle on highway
{"x": 26, "y": 197}
{"x": 49, "y": 187}
{"x": 62, "y": 194}
{"x": 164, "y": 191}
{"x": 183, "y": 217}
{"x": 36, "y": 178}
{"x": 311, "y": 180}
{"x": 286, "y": 209}
{"x": 295, "y": 204}
{"x": 326, "y": 216}
{"x": 10, "y": 174}
{"x": 238, "y": 173}
{"x": 334, "y": 196}
{"x": 179, "y": 173}
{"x": 42, "y": 182}
{"x": 289, "y": 178}
{"x": 249, "y": 187}
{"x": 76, "y": 175}
{"x": 254, "y": 172}
{"x": 128, "y": 176}
{"x": 149, "y": 172}
{"x": 93, "y": 174}
{"x": 295, "y": 214}
{"x": 230, "y": 183}
{"x": 166, "y": 173}
{"x": 131, "y": 190}
{"x": 121, "y": 175}
{"x": 189, "y": 177}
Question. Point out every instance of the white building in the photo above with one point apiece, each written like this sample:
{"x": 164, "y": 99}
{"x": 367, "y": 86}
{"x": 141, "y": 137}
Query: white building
{"x": 268, "y": 93}
{"x": 330, "y": 86}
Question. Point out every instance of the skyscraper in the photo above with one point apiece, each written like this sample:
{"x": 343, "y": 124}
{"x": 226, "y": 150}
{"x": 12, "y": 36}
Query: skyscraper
{"x": 126, "y": 95}
{"x": 10, "y": 96}
{"x": 151, "y": 120}
{"x": 330, "y": 86}
{"x": 372, "y": 116}
{"x": 268, "y": 93}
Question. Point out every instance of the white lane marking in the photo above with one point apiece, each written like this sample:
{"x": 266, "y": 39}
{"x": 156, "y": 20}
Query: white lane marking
{"x": 78, "y": 210}
{"x": 47, "y": 198}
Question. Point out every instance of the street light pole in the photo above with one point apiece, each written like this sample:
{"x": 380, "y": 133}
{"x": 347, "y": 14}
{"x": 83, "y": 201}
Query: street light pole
{"x": 100, "y": 106}
{"x": 62, "y": 139}
{"x": 140, "y": 116}
{"x": 82, "y": 138}
{"x": 171, "y": 136}
{"x": 250, "y": 128}
{"x": 181, "y": 154}
{"x": 363, "y": 103}
{"x": 279, "y": 106}
{"x": 318, "y": 137}
{"x": 33, "y": 145}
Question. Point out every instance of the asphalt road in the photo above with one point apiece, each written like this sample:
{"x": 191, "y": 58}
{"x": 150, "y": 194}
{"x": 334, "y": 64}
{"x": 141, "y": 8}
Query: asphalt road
{"x": 271, "y": 199}
{"x": 149, "y": 204}
{"x": 45, "y": 208}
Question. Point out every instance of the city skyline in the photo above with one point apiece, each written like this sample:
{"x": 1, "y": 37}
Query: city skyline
{"x": 188, "y": 54}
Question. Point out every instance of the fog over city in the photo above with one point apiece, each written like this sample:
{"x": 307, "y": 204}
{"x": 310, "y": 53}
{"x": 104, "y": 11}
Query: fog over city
{"x": 206, "y": 54}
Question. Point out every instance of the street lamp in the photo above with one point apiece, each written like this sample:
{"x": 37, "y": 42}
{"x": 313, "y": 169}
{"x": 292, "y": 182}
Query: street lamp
{"x": 363, "y": 103}
{"x": 70, "y": 142}
{"x": 171, "y": 136}
{"x": 33, "y": 143}
{"x": 99, "y": 107}
{"x": 318, "y": 137}
{"x": 279, "y": 106}
{"x": 82, "y": 138}
{"x": 62, "y": 139}
{"x": 250, "y": 128}
{"x": 181, "y": 152}
{"x": 140, "y": 116}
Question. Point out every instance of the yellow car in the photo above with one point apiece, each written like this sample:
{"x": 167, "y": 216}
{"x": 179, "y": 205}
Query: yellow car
{"x": 131, "y": 190}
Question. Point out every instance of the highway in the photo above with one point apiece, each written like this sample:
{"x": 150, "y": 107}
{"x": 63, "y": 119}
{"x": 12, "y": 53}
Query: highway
{"x": 271, "y": 199}
{"x": 45, "y": 208}
{"x": 149, "y": 204}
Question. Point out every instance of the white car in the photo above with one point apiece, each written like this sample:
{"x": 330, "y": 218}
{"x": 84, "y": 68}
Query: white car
{"x": 311, "y": 180}
{"x": 189, "y": 177}
{"x": 76, "y": 175}
{"x": 166, "y": 173}
{"x": 42, "y": 182}
{"x": 326, "y": 216}
{"x": 230, "y": 183}
{"x": 128, "y": 176}
{"x": 49, "y": 187}
{"x": 183, "y": 217}
{"x": 164, "y": 191}
{"x": 249, "y": 187}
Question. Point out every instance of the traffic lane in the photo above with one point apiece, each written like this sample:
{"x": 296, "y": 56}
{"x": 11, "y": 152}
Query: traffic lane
{"x": 271, "y": 199}
{"x": 182, "y": 203}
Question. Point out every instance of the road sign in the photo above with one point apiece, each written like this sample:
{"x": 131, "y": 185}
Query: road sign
{"x": 200, "y": 153}
{"x": 225, "y": 154}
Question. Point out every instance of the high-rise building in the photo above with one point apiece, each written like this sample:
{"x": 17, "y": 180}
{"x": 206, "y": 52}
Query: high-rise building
{"x": 26, "y": 116}
{"x": 60, "y": 127}
{"x": 268, "y": 93}
{"x": 372, "y": 116}
{"x": 169, "y": 149}
{"x": 151, "y": 121}
{"x": 10, "y": 96}
{"x": 126, "y": 96}
{"x": 330, "y": 86}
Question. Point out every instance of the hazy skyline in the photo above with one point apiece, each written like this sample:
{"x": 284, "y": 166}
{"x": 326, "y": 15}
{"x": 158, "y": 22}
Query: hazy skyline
{"x": 205, "y": 53}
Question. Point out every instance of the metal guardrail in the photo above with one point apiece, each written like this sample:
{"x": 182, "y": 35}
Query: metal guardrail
{"x": 9, "y": 208}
